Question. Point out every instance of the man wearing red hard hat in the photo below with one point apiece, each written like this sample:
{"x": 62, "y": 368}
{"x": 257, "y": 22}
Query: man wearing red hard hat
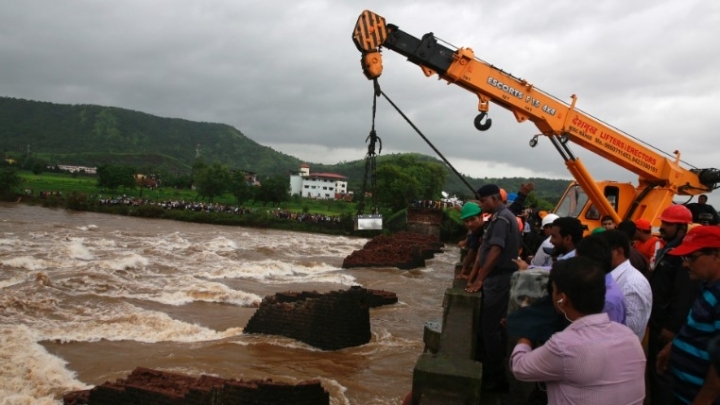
{"x": 673, "y": 295}
{"x": 694, "y": 380}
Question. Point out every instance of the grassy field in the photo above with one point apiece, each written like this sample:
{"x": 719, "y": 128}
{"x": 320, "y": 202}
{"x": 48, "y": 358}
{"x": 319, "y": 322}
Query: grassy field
{"x": 58, "y": 182}
{"x": 66, "y": 184}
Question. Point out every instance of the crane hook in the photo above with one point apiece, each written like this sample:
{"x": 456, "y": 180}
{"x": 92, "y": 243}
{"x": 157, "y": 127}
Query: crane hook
{"x": 479, "y": 124}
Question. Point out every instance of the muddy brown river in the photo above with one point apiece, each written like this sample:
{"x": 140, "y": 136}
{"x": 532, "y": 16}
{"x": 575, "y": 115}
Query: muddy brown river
{"x": 85, "y": 298}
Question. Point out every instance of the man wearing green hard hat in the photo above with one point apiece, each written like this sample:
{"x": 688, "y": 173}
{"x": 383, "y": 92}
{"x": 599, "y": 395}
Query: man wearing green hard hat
{"x": 468, "y": 211}
{"x": 471, "y": 214}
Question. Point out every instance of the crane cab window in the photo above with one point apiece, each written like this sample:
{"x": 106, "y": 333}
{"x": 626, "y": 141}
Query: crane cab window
{"x": 572, "y": 202}
{"x": 612, "y": 194}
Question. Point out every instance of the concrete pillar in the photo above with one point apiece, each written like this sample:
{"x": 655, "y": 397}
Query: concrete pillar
{"x": 448, "y": 373}
{"x": 438, "y": 379}
{"x": 461, "y": 322}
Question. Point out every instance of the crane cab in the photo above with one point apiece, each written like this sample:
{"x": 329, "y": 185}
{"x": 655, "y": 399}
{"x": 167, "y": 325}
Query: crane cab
{"x": 575, "y": 203}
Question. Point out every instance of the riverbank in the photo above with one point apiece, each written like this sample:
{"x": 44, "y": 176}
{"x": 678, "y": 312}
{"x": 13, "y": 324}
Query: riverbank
{"x": 216, "y": 214}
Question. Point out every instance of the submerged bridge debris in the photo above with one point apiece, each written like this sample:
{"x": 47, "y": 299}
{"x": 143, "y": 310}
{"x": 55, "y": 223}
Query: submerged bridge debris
{"x": 404, "y": 250}
{"x": 330, "y": 321}
{"x": 154, "y": 387}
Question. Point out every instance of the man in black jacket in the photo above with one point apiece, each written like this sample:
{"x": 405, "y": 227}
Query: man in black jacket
{"x": 704, "y": 212}
{"x": 673, "y": 295}
{"x": 500, "y": 245}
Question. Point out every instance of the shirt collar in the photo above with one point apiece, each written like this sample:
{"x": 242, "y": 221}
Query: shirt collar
{"x": 590, "y": 320}
{"x": 621, "y": 268}
{"x": 711, "y": 285}
{"x": 567, "y": 255}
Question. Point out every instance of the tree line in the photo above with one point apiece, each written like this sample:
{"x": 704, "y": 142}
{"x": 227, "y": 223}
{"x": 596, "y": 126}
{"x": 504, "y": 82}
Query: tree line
{"x": 401, "y": 179}
{"x": 208, "y": 181}
{"x": 398, "y": 183}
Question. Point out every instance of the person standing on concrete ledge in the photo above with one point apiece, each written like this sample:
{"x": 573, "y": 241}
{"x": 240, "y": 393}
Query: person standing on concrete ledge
{"x": 594, "y": 361}
{"x": 500, "y": 245}
{"x": 471, "y": 214}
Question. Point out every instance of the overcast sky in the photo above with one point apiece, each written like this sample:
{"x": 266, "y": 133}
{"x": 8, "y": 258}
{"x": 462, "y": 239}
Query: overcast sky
{"x": 287, "y": 74}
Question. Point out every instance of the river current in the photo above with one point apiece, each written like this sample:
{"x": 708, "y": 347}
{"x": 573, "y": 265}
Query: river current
{"x": 85, "y": 298}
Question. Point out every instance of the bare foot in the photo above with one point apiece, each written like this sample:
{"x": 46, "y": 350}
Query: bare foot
{"x": 462, "y": 276}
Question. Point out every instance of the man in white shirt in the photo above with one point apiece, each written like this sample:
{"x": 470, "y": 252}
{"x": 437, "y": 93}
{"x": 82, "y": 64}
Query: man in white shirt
{"x": 542, "y": 258}
{"x": 635, "y": 287}
{"x": 566, "y": 233}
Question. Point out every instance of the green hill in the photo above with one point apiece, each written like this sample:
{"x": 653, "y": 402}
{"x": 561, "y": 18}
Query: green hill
{"x": 94, "y": 135}
{"x": 91, "y": 135}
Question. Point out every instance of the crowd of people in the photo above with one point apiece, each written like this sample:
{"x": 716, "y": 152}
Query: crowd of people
{"x": 196, "y": 206}
{"x": 199, "y": 206}
{"x": 624, "y": 316}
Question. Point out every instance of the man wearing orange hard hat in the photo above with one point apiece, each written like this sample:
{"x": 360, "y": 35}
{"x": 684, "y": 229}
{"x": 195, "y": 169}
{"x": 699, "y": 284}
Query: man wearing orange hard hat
{"x": 645, "y": 242}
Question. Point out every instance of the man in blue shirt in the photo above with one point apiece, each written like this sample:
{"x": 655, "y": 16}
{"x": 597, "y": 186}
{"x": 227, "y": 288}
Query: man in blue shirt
{"x": 694, "y": 380}
{"x": 596, "y": 247}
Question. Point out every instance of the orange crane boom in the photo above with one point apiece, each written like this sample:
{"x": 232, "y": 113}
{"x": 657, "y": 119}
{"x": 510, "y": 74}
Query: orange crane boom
{"x": 660, "y": 178}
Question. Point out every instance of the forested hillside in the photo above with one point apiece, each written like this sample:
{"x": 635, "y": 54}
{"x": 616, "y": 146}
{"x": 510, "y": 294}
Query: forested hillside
{"x": 92, "y": 135}
{"x": 95, "y": 135}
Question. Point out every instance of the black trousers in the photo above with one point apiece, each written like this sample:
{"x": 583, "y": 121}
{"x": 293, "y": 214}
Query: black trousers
{"x": 495, "y": 299}
{"x": 659, "y": 386}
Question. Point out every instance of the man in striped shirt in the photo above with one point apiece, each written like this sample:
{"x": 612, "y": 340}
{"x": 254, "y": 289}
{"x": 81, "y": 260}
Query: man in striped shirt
{"x": 694, "y": 381}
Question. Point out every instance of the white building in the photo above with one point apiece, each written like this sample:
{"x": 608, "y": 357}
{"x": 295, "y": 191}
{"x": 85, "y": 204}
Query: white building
{"x": 317, "y": 185}
{"x": 73, "y": 169}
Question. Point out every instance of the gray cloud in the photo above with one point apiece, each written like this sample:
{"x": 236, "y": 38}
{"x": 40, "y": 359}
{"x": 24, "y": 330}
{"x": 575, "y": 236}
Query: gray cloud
{"x": 287, "y": 74}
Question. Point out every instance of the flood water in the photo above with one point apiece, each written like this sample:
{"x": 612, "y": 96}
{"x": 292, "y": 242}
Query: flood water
{"x": 85, "y": 298}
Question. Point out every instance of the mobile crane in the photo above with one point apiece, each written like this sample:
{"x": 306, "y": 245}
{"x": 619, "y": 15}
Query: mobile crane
{"x": 660, "y": 178}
